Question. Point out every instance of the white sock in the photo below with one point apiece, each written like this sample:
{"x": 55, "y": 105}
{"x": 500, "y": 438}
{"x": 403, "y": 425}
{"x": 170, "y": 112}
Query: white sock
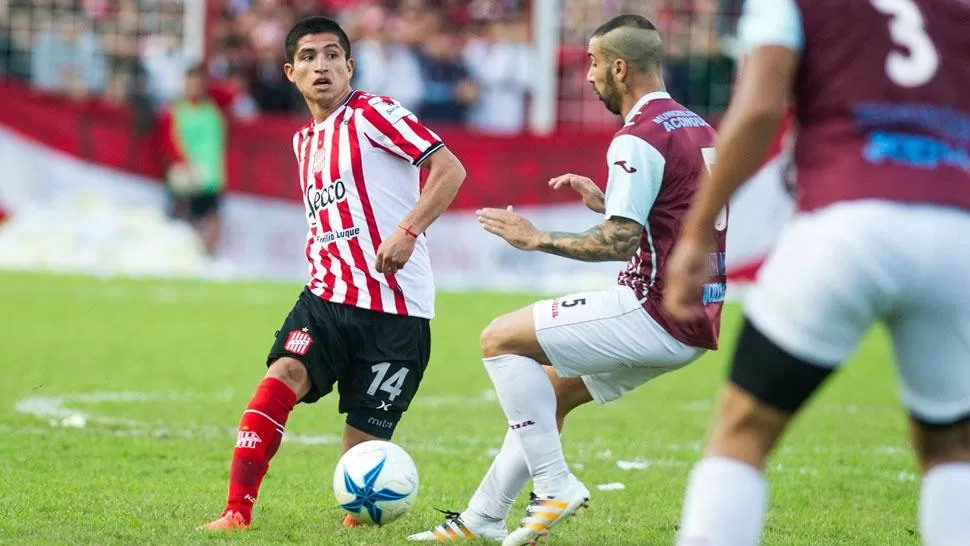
{"x": 501, "y": 485}
{"x": 725, "y": 504}
{"x": 944, "y": 507}
{"x": 529, "y": 403}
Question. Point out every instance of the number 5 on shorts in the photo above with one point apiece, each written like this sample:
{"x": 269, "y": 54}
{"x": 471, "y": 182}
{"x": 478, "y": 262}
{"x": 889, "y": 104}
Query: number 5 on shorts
{"x": 392, "y": 386}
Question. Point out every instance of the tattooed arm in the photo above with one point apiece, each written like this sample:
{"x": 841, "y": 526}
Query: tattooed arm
{"x": 615, "y": 239}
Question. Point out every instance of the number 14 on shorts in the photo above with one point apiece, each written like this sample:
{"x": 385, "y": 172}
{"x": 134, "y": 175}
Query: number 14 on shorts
{"x": 392, "y": 385}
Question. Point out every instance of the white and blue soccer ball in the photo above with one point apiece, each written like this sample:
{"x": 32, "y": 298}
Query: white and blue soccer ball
{"x": 376, "y": 482}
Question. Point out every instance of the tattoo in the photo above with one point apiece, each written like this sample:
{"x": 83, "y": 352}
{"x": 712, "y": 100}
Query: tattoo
{"x": 616, "y": 239}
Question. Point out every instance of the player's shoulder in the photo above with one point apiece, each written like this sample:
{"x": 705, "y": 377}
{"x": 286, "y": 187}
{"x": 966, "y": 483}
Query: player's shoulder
{"x": 302, "y": 133}
{"x": 384, "y": 105}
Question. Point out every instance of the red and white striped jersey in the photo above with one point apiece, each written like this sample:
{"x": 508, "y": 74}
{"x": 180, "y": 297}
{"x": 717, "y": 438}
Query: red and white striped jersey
{"x": 359, "y": 171}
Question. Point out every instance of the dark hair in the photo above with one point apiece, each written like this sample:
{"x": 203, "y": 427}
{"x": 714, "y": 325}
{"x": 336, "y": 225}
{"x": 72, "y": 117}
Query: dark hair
{"x": 315, "y": 25}
{"x": 626, "y": 20}
{"x": 635, "y": 40}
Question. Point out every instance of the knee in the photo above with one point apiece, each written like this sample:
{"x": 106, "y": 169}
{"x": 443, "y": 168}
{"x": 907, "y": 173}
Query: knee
{"x": 746, "y": 429}
{"x": 290, "y": 371}
{"x": 493, "y": 339}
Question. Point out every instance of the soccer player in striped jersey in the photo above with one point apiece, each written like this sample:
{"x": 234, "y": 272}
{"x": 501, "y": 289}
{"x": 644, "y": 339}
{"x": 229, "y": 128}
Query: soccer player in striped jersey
{"x": 361, "y": 322}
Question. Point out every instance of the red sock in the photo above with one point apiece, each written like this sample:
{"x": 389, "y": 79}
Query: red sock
{"x": 259, "y": 436}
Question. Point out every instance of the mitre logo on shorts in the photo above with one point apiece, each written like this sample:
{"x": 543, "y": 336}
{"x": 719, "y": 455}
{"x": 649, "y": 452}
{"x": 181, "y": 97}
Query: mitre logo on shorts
{"x": 247, "y": 439}
{"x": 555, "y": 308}
{"x": 298, "y": 342}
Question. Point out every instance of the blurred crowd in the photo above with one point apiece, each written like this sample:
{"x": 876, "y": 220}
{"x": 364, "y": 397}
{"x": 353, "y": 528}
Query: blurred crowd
{"x": 452, "y": 61}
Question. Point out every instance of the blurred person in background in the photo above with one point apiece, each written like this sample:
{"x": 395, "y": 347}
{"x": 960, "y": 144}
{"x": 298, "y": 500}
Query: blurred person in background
{"x": 501, "y": 60}
{"x": 120, "y": 32}
{"x": 14, "y": 43}
{"x": 194, "y": 135}
{"x": 264, "y": 26}
{"x": 67, "y": 57}
{"x": 243, "y": 106}
{"x": 268, "y": 84}
{"x": 449, "y": 90}
{"x": 165, "y": 64}
{"x": 387, "y": 63}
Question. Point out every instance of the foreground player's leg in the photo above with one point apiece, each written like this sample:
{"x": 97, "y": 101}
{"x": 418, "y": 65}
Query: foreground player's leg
{"x": 512, "y": 355}
{"x": 944, "y": 455}
{"x": 727, "y": 493}
{"x": 489, "y": 506}
{"x": 932, "y": 343}
{"x": 260, "y": 432}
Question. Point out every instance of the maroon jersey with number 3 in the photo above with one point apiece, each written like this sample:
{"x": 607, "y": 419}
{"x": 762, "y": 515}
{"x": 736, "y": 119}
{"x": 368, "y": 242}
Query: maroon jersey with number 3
{"x": 882, "y": 100}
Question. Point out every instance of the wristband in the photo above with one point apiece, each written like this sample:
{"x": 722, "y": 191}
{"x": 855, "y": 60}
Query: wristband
{"x": 408, "y": 231}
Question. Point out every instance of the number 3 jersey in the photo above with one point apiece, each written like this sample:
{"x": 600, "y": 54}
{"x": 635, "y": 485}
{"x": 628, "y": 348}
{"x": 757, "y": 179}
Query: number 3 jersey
{"x": 881, "y": 96}
{"x": 359, "y": 176}
{"x": 656, "y": 162}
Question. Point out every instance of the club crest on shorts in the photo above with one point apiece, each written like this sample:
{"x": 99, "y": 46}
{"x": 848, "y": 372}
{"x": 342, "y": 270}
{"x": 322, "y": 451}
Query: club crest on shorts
{"x": 298, "y": 342}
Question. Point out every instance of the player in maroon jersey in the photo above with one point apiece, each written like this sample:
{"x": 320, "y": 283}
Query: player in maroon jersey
{"x": 362, "y": 320}
{"x": 555, "y": 355}
{"x": 883, "y": 190}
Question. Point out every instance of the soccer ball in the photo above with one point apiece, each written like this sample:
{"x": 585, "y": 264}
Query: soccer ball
{"x": 376, "y": 482}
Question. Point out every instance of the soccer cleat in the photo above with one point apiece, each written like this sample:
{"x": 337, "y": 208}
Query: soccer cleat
{"x": 230, "y": 520}
{"x": 349, "y": 521}
{"x": 543, "y": 513}
{"x": 454, "y": 529}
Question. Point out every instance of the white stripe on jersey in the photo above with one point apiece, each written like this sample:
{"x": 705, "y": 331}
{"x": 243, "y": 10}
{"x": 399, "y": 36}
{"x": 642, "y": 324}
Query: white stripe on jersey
{"x": 653, "y": 255}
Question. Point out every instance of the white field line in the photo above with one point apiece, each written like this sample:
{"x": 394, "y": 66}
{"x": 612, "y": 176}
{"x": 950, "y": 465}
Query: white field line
{"x": 57, "y": 412}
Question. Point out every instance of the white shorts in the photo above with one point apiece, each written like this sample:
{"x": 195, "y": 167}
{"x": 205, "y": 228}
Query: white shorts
{"x": 837, "y": 270}
{"x": 607, "y": 339}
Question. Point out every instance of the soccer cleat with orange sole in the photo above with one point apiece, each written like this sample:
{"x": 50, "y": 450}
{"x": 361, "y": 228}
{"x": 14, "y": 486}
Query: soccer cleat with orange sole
{"x": 455, "y": 529}
{"x": 544, "y": 513}
{"x": 349, "y": 521}
{"x": 228, "y": 521}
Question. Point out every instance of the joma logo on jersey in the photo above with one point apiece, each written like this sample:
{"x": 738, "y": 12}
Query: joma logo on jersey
{"x": 622, "y": 164}
{"x": 321, "y": 198}
{"x": 247, "y": 439}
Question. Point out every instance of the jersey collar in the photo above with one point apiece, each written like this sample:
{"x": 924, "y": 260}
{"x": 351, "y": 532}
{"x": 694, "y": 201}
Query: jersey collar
{"x": 656, "y": 95}
{"x": 313, "y": 123}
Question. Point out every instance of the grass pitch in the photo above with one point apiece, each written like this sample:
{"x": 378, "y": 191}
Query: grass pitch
{"x": 162, "y": 369}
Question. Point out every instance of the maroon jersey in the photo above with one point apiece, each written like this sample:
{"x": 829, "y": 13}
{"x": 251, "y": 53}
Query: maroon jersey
{"x": 882, "y": 101}
{"x": 656, "y": 162}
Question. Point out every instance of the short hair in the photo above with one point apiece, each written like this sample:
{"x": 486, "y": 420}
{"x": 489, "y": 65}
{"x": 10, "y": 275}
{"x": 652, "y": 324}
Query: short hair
{"x": 634, "y": 39}
{"x": 315, "y": 25}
